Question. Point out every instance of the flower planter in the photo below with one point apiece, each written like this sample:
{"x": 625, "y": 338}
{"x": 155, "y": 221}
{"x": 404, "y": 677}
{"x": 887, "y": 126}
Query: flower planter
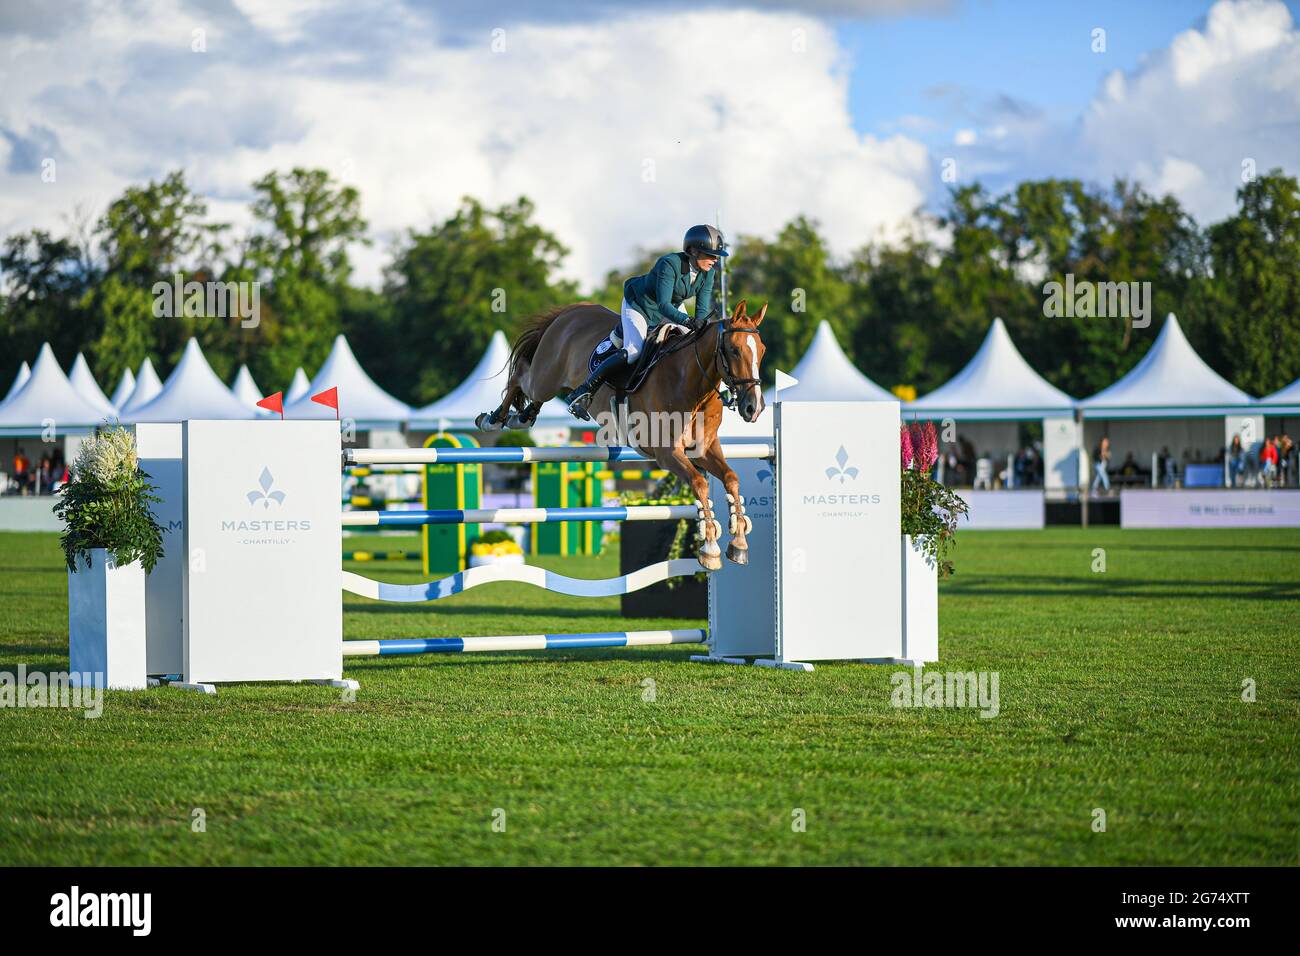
{"x": 480, "y": 560}
{"x": 106, "y": 622}
{"x": 647, "y": 542}
{"x": 920, "y": 604}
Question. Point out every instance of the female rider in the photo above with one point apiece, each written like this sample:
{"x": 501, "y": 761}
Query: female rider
{"x": 653, "y": 298}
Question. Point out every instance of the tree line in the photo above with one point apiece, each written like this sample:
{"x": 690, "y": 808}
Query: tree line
{"x": 909, "y": 313}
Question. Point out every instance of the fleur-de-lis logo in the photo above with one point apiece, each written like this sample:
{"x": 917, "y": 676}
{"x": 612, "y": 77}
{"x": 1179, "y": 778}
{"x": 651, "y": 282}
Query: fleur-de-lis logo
{"x": 265, "y": 494}
{"x": 840, "y": 471}
{"x": 763, "y": 475}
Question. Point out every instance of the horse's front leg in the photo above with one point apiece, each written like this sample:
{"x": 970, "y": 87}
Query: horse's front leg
{"x": 708, "y": 530}
{"x": 738, "y": 524}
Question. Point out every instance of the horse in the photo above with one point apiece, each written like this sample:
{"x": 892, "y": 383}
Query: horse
{"x": 551, "y": 355}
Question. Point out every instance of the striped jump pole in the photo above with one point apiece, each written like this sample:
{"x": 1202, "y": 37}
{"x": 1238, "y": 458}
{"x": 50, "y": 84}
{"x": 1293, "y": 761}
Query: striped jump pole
{"x": 626, "y": 475}
{"x": 381, "y": 555}
{"x": 521, "y": 642}
{"x": 388, "y": 519}
{"x": 458, "y": 456}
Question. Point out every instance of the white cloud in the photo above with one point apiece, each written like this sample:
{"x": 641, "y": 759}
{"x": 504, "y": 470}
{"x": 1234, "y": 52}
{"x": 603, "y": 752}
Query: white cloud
{"x": 1187, "y": 118}
{"x": 964, "y": 137}
{"x": 571, "y": 116}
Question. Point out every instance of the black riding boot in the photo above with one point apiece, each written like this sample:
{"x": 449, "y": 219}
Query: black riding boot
{"x": 580, "y": 398}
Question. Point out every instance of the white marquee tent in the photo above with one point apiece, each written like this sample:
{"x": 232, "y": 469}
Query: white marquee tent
{"x": 246, "y": 390}
{"x": 360, "y": 399}
{"x": 1170, "y": 399}
{"x": 125, "y": 386}
{"x": 192, "y": 390}
{"x": 824, "y": 373}
{"x": 480, "y": 392}
{"x": 298, "y": 387}
{"x": 147, "y": 388}
{"x": 48, "y": 398}
{"x": 83, "y": 380}
{"x": 24, "y": 373}
{"x": 989, "y": 398}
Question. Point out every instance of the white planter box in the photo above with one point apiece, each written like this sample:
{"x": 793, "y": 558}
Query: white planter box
{"x": 920, "y": 605}
{"x": 480, "y": 560}
{"x": 106, "y": 622}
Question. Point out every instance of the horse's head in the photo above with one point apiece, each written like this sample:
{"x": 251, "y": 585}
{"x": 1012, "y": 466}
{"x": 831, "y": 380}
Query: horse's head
{"x": 740, "y": 355}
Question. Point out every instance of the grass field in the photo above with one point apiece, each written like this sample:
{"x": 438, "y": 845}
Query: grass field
{"x": 1119, "y": 690}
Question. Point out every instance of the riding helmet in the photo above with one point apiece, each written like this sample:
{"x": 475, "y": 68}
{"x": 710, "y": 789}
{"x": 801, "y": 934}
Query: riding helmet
{"x": 704, "y": 240}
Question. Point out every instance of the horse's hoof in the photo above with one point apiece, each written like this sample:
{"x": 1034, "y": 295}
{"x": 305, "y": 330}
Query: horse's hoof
{"x": 737, "y": 555}
{"x": 485, "y": 423}
{"x": 710, "y": 562}
{"x": 516, "y": 421}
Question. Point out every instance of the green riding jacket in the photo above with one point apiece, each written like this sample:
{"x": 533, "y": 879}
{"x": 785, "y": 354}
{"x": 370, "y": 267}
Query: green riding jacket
{"x": 659, "y": 292}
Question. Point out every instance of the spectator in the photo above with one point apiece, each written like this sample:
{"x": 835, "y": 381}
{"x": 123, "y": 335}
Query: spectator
{"x": 1130, "y": 467}
{"x": 1236, "y": 461}
{"x": 1286, "y": 451}
{"x": 1101, "y": 460}
{"x": 1268, "y": 462}
{"x": 22, "y": 468}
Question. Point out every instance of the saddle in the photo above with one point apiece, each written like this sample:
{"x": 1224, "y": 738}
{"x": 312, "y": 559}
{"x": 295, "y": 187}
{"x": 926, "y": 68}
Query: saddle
{"x": 663, "y": 340}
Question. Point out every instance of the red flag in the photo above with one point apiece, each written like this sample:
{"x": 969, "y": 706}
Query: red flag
{"x": 329, "y": 398}
{"x": 273, "y": 403}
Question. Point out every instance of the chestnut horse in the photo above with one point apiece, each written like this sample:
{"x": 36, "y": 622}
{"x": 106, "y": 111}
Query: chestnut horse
{"x": 551, "y": 355}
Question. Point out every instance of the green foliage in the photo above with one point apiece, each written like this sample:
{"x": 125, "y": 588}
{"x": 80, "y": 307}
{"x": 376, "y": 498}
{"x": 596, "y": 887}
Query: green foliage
{"x": 908, "y": 313}
{"x": 456, "y": 283}
{"x": 1256, "y": 257}
{"x": 669, "y": 490}
{"x": 106, "y": 504}
{"x": 494, "y": 537}
{"x": 930, "y": 514}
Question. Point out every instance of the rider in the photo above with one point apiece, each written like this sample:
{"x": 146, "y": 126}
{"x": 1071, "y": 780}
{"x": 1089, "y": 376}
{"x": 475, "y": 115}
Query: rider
{"x": 653, "y": 298}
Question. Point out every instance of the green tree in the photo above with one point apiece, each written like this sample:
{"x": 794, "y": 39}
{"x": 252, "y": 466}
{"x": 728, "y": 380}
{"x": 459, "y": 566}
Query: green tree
{"x": 453, "y": 285}
{"x": 1256, "y": 286}
{"x": 794, "y": 275}
{"x": 304, "y": 223}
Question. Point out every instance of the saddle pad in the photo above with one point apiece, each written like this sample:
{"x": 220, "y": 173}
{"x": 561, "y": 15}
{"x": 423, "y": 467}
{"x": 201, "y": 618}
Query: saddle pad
{"x": 658, "y": 335}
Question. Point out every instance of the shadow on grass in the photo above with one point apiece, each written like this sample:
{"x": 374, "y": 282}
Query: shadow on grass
{"x": 503, "y": 658}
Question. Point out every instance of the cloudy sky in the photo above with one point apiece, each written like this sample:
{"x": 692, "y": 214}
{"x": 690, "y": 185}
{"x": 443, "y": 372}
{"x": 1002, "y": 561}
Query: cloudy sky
{"x": 625, "y": 122}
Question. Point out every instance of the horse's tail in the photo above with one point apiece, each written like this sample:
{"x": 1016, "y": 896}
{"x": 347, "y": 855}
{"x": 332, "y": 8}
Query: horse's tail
{"x": 525, "y": 347}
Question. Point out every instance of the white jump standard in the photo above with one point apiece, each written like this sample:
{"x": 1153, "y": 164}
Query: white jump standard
{"x": 263, "y": 536}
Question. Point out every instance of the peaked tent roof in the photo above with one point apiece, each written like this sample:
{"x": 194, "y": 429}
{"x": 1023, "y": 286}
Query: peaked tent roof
{"x": 480, "y": 392}
{"x": 24, "y": 373}
{"x": 299, "y": 387}
{"x": 246, "y": 390}
{"x": 192, "y": 391}
{"x": 360, "y": 399}
{"x": 125, "y": 386}
{"x": 48, "y": 396}
{"x": 825, "y": 374}
{"x": 1171, "y": 381}
{"x": 997, "y": 384}
{"x": 147, "y": 388}
{"x": 84, "y": 382}
{"x": 1285, "y": 401}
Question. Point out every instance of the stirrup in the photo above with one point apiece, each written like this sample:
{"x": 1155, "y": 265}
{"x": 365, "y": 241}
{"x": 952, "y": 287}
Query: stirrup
{"x": 580, "y": 404}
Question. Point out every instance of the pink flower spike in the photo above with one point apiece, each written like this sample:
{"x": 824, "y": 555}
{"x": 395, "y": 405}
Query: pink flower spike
{"x": 929, "y": 447}
{"x": 905, "y": 441}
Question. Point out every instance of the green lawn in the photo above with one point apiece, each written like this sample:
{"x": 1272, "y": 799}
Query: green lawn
{"x": 1119, "y": 690}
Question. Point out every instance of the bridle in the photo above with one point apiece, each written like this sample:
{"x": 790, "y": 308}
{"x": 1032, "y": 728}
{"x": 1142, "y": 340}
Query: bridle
{"x": 734, "y": 384}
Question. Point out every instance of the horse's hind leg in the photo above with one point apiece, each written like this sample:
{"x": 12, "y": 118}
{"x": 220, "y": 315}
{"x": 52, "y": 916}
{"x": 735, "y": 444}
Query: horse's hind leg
{"x": 499, "y": 417}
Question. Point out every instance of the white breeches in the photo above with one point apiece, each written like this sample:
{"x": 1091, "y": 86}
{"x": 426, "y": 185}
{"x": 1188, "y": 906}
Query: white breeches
{"x": 634, "y": 331}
